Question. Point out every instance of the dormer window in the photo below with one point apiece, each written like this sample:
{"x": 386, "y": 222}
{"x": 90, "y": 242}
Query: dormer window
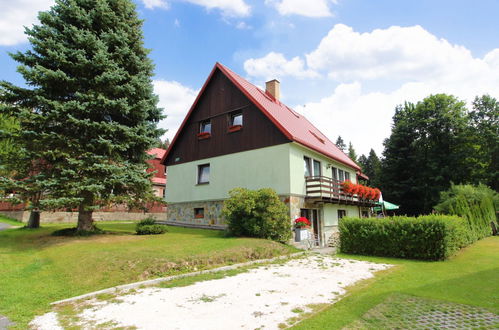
{"x": 204, "y": 129}
{"x": 235, "y": 121}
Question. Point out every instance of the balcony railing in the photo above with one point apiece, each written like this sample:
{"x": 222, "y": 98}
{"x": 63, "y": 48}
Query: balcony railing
{"x": 330, "y": 190}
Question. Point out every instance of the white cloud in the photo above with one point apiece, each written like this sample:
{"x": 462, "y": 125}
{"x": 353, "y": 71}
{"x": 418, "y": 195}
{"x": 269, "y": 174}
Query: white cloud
{"x": 14, "y": 15}
{"x": 412, "y": 61}
{"x": 176, "y": 100}
{"x": 151, "y": 4}
{"x": 230, "y": 8}
{"x": 394, "y": 53}
{"x": 309, "y": 8}
{"x": 275, "y": 65}
{"x": 243, "y": 26}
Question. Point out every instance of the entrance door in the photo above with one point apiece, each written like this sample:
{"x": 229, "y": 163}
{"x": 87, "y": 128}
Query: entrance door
{"x": 313, "y": 216}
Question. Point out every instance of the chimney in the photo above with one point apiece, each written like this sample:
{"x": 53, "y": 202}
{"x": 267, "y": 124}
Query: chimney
{"x": 272, "y": 87}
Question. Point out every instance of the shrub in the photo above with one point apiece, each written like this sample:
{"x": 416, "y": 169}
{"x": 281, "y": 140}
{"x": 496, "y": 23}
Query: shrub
{"x": 148, "y": 226}
{"x": 257, "y": 213}
{"x": 432, "y": 237}
{"x": 476, "y": 204}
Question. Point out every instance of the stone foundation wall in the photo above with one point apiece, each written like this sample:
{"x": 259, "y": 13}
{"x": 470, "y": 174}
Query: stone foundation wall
{"x": 183, "y": 213}
{"x": 69, "y": 217}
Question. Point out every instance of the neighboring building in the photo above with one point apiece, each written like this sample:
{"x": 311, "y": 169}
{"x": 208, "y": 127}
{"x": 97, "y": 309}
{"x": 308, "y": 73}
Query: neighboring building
{"x": 114, "y": 212}
{"x": 236, "y": 135}
{"x": 159, "y": 178}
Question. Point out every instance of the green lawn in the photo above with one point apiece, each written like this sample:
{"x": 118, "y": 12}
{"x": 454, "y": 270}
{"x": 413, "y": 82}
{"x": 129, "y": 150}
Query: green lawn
{"x": 37, "y": 268}
{"x": 11, "y": 221}
{"x": 471, "y": 278}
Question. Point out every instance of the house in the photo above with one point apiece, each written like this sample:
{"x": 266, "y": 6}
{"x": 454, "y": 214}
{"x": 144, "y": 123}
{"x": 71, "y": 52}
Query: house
{"x": 237, "y": 135}
{"x": 159, "y": 176}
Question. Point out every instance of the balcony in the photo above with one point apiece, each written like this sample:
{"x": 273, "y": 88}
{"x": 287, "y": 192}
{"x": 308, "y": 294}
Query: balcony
{"x": 328, "y": 190}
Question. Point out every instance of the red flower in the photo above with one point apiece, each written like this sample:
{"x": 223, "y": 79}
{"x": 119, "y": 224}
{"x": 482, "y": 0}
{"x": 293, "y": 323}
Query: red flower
{"x": 302, "y": 222}
{"x": 347, "y": 187}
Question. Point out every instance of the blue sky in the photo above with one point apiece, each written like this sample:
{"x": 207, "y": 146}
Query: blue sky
{"x": 345, "y": 64}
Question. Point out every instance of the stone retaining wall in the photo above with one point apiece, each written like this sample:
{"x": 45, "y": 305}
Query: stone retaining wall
{"x": 69, "y": 217}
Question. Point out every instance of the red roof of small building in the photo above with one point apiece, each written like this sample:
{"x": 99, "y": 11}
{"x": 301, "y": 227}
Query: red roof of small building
{"x": 157, "y": 152}
{"x": 292, "y": 124}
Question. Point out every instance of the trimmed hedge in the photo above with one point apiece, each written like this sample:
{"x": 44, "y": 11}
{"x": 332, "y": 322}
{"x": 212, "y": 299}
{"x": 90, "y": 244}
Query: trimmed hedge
{"x": 432, "y": 237}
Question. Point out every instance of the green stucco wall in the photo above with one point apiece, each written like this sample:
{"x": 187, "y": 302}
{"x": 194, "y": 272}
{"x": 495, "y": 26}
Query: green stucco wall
{"x": 297, "y": 168}
{"x": 254, "y": 169}
{"x": 278, "y": 167}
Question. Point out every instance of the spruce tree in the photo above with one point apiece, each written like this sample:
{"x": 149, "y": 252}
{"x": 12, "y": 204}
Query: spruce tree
{"x": 340, "y": 143}
{"x": 351, "y": 152}
{"x": 89, "y": 113}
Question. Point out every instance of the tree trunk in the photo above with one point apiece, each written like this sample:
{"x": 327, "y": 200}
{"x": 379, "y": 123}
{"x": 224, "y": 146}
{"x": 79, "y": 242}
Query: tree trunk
{"x": 85, "y": 221}
{"x": 34, "y": 219}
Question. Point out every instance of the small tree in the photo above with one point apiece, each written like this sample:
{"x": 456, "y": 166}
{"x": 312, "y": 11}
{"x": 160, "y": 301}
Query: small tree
{"x": 89, "y": 112}
{"x": 257, "y": 213}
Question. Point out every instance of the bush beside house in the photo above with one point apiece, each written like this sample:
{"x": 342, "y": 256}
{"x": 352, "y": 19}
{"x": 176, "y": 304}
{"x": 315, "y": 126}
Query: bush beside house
{"x": 257, "y": 213}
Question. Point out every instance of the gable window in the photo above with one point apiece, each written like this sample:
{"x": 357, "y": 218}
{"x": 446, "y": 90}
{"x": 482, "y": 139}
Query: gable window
{"x": 342, "y": 214}
{"x": 199, "y": 212}
{"x": 204, "y": 174}
{"x": 205, "y": 126}
{"x": 236, "y": 119}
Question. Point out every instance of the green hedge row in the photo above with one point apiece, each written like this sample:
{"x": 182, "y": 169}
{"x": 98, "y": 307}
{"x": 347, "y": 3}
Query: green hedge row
{"x": 432, "y": 237}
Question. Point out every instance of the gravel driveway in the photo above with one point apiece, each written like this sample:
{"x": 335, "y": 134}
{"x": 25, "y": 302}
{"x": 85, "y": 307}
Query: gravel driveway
{"x": 263, "y": 297}
{"x": 4, "y": 226}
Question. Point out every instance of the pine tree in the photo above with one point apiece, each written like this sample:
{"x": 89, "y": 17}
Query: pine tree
{"x": 89, "y": 113}
{"x": 340, "y": 143}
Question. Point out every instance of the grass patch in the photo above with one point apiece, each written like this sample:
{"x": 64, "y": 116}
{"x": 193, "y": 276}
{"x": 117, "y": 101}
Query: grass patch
{"x": 37, "y": 268}
{"x": 10, "y": 221}
{"x": 468, "y": 278}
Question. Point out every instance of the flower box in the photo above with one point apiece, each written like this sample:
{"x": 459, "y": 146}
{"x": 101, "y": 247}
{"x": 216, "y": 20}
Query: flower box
{"x": 204, "y": 135}
{"x": 301, "y": 234}
{"x": 235, "y": 128}
{"x": 199, "y": 216}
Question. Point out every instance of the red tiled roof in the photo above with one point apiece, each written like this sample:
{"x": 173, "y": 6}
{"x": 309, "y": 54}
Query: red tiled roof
{"x": 158, "y": 180}
{"x": 292, "y": 124}
{"x": 158, "y": 152}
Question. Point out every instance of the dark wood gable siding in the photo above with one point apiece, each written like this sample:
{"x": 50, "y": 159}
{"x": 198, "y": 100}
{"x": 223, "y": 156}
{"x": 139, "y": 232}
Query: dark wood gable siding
{"x": 221, "y": 97}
